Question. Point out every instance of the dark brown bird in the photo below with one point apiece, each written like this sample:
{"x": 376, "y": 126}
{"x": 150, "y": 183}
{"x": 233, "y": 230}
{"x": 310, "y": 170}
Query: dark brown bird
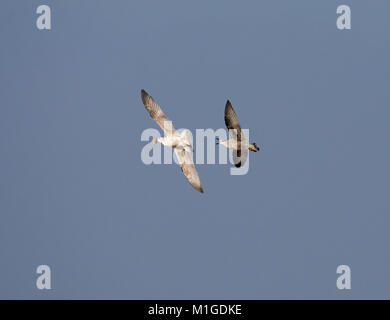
{"x": 237, "y": 140}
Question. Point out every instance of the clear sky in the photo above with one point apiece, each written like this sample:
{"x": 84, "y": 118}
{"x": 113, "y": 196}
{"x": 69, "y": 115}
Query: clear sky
{"x": 75, "y": 195}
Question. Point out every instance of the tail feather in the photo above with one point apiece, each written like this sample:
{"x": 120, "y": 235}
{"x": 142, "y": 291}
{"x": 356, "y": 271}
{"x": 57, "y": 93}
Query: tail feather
{"x": 253, "y": 147}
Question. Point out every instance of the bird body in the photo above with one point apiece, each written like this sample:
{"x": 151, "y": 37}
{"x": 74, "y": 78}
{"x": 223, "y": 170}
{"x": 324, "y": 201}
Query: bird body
{"x": 231, "y": 144}
{"x": 172, "y": 140}
{"x": 177, "y": 140}
{"x": 236, "y": 145}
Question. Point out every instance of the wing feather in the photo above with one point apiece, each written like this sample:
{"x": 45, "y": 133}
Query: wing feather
{"x": 240, "y": 156}
{"x": 156, "y": 113}
{"x": 232, "y": 123}
{"x": 188, "y": 168}
{"x": 231, "y": 120}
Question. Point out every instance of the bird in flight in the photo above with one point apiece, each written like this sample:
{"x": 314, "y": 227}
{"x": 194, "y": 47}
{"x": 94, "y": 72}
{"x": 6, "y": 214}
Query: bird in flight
{"x": 180, "y": 142}
{"x": 237, "y": 140}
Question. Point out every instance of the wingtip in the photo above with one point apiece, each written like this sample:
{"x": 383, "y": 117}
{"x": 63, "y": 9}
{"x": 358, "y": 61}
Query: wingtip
{"x": 228, "y": 105}
{"x": 144, "y": 95}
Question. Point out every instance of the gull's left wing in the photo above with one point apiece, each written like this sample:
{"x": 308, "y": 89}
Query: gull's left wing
{"x": 188, "y": 168}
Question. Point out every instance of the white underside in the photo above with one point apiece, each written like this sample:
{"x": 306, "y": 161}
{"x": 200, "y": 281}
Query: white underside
{"x": 232, "y": 144}
{"x": 176, "y": 140}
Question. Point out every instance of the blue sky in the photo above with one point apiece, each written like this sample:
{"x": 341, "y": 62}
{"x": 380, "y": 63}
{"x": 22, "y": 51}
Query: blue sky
{"x": 75, "y": 195}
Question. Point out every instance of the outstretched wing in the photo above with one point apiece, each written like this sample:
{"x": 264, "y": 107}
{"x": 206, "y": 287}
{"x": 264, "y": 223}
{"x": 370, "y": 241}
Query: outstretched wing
{"x": 156, "y": 113}
{"x": 231, "y": 120}
{"x": 188, "y": 168}
{"x": 239, "y": 156}
{"x": 232, "y": 123}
